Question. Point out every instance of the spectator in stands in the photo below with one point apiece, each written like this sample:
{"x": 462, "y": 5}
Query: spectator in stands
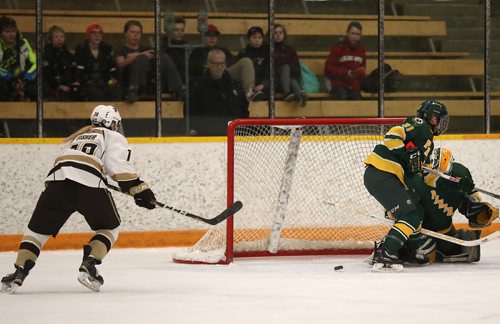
{"x": 287, "y": 68}
{"x": 58, "y": 68}
{"x": 137, "y": 66}
{"x": 17, "y": 64}
{"x": 258, "y": 51}
{"x": 241, "y": 70}
{"x": 176, "y": 48}
{"x": 346, "y": 65}
{"x": 217, "y": 98}
{"x": 97, "y": 74}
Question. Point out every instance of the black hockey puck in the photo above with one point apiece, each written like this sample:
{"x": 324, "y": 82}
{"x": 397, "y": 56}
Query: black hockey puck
{"x": 339, "y": 267}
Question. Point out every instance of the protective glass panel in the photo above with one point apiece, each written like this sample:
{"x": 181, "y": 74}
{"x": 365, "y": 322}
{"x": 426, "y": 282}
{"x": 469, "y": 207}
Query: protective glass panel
{"x": 442, "y": 58}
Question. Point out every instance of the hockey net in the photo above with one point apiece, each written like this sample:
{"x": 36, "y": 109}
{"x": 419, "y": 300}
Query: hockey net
{"x": 301, "y": 184}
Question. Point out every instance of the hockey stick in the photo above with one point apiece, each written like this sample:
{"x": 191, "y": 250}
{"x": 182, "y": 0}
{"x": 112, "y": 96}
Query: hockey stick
{"x": 452, "y": 239}
{"x": 453, "y": 179}
{"x": 432, "y": 233}
{"x": 233, "y": 209}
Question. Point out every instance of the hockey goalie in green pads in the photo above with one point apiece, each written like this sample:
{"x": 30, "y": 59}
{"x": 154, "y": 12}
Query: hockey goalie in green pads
{"x": 440, "y": 199}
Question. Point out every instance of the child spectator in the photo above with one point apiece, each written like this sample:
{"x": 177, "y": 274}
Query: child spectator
{"x": 137, "y": 66}
{"x": 58, "y": 68}
{"x": 96, "y": 70}
{"x": 287, "y": 68}
{"x": 241, "y": 70}
{"x": 258, "y": 51}
{"x": 17, "y": 64}
{"x": 346, "y": 65}
{"x": 217, "y": 98}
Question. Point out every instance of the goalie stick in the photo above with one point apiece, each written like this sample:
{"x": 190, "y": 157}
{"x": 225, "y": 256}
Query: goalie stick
{"x": 233, "y": 209}
{"x": 425, "y": 231}
{"x": 453, "y": 179}
{"x": 452, "y": 239}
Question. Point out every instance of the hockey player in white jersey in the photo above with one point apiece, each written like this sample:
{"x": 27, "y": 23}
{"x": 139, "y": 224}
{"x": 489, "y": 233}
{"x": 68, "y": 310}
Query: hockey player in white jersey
{"x": 77, "y": 182}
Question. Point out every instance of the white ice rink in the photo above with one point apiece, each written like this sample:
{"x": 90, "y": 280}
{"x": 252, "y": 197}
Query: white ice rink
{"x": 145, "y": 286}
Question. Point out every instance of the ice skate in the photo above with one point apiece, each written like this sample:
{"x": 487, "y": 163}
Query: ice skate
{"x": 11, "y": 282}
{"x": 384, "y": 262}
{"x": 89, "y": 277}
{"x": 413, "y": 258}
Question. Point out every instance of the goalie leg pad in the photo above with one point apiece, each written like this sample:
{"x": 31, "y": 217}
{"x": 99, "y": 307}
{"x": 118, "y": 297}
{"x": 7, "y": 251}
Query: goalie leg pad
{"x": 467, "y": 254}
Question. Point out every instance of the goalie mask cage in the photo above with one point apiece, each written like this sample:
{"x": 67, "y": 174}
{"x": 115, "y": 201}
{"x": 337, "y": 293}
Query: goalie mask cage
{"x": 301, "y": 184}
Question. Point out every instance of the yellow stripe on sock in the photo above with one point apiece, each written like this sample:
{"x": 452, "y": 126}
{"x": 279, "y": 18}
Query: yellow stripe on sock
{"x": 405, "y": 229}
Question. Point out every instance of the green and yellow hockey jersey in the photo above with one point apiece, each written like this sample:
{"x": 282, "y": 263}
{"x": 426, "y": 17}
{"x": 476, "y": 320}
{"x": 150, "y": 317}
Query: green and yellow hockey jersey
{"x": 413, "y": 132}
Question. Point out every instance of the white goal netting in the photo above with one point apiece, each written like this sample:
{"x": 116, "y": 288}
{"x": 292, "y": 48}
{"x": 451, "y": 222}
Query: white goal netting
{"x": 302, "y": 191}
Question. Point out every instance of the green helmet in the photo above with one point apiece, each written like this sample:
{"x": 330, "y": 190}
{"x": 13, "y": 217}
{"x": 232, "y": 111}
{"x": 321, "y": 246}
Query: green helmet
{"x": 430, "y": 108}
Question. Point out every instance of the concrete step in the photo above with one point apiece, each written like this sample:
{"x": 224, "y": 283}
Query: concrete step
{"x": 442, "y": 9}
{"x": 463, "y": 22}
{"x": 464, "y": 33}
{"x": 475, "y": 46}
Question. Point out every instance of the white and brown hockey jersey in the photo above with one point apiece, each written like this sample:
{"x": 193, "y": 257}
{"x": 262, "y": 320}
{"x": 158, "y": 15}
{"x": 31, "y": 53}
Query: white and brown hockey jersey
{"x": 92, "y": 156}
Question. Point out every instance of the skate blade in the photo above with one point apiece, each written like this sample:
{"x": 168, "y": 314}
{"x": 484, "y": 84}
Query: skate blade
{"x": 86, "y": 280}
{"x": 9, "y": 289}
{"x": 380, "y": 267}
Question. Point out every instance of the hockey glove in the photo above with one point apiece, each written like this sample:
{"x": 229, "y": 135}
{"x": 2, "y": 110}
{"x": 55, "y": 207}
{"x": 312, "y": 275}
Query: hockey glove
{"x": 465, "y": 185}
{"x": 5, "y": 74}
{"x": 143, "y": 196}
{"x": 412, "y": 161}
{"x": 480, "y": 214}
{"x": 29, "y": 76}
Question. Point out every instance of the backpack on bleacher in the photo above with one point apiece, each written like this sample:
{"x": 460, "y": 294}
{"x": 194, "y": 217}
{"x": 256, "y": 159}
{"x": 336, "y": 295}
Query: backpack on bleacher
{"x": 392, "y": 80}
{"x": 308, "y": 81}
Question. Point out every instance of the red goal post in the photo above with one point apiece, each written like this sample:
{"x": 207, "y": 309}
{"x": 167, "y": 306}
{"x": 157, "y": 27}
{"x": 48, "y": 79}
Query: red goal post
{"x": 301, "y": 184}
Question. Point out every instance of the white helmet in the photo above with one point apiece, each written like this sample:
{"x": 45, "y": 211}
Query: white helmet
{"x": 105, "y": 116}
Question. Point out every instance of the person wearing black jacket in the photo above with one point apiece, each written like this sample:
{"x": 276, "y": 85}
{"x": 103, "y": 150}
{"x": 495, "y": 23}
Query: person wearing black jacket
{"x": 258, "y": 51}
{"x": 96, "y": 69}
{"x": 241, "y": 70}
{"x": 58, "y": 68}
{"x": 178, "y": 49}
{"x": 217, "y": 98}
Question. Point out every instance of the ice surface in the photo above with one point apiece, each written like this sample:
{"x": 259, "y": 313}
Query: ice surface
{"x": 145, "y": 286}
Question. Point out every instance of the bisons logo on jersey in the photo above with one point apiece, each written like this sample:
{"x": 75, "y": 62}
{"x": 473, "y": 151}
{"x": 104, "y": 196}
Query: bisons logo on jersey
{"x": 441, "y": 204}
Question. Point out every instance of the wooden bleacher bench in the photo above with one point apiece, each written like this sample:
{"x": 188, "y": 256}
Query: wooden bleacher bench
{"x": 82, "y": 110}
{"x": 418, "y": 67}
{"x": 369, "y": 108}
{"x": 258, "y": 109}
{"x": 232, "y": 23}
{"x": 436, "y": 55}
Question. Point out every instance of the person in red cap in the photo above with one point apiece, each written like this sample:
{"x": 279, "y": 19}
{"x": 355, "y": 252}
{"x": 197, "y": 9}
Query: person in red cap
{"x": 96, "y": 74}
{"x": 346, "y": 65}
{"x": 241, "y": 70}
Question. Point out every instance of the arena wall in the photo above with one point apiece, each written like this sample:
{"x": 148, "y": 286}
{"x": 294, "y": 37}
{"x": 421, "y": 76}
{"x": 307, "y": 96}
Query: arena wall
{"x": 188, "y": 173}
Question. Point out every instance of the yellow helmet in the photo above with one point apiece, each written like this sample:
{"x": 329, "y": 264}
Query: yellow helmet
{"x": 442, "y": 160}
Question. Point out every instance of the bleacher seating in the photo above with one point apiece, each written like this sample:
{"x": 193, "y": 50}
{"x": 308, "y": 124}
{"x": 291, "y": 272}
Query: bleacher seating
{"x": 409, "y": 63}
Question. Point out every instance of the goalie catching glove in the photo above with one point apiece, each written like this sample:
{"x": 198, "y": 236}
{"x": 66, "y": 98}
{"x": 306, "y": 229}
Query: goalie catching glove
{"x": 480, "y": 214}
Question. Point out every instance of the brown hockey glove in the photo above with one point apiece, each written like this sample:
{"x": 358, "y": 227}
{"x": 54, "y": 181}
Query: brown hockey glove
{"x": 143, "y": 196}
{"x": 480, "y": 214}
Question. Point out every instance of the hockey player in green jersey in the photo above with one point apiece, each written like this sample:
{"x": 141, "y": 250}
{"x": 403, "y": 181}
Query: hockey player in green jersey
{"x": 406, "y": 147}
{"x": 440, "y": 199}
